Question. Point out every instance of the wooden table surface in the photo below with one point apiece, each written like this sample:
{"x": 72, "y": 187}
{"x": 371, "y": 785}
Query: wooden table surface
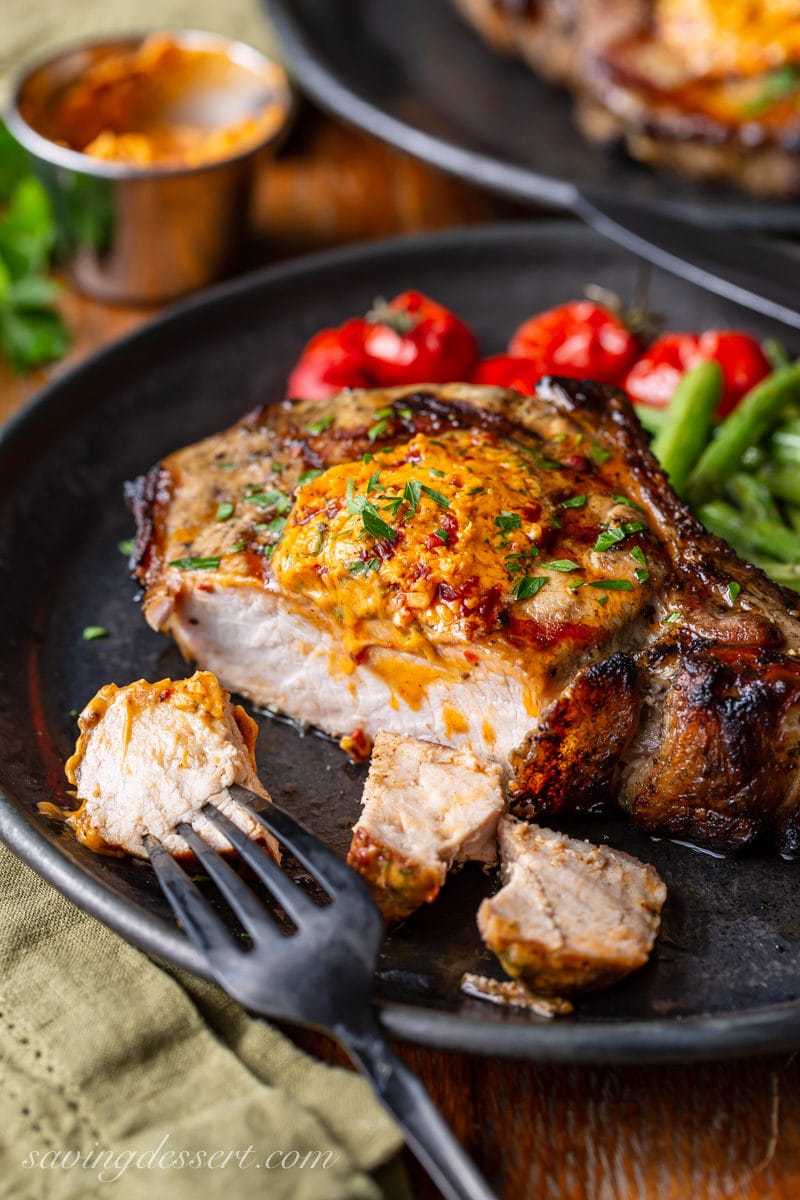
{"x": 678, "y": 1132}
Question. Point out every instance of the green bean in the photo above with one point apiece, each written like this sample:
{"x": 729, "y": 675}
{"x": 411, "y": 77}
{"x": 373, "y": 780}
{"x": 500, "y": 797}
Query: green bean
{"x": 753, "y": 496}
{"x": 745, "y": 426}
{"x": 750, "y": 537}
{"x": 652, "y": 419}
{"x": 775, "y": 353}
{"x": 783, "y": 482}
{"x": 784, "y": 444}
{"x": 679, "y": 443}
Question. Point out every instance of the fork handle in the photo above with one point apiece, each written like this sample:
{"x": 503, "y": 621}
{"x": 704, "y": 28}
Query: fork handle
{"x": 428, "y": 1135}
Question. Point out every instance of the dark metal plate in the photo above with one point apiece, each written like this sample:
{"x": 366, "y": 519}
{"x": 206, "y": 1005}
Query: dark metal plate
{"x": 415, "y": 75}
{"x": 725, "y": 977}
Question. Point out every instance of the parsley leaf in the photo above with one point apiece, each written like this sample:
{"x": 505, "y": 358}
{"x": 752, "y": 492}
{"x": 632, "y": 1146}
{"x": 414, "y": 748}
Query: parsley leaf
{"x": 319, "y": 426}
{"x": 612, "y": 585}
{"x": 528, "y": 586}
{"x": 574, "y": 502}
{"x": 734, "y": 589}
{"x": 561, "y": 564}
{"x": 609, "y": 537}
{"x": 411, "y": 493}
{"x": 224, "y": 512}
{"x": 363, "y": 568}
{"x": 92, "y": 632}
{"x": 437, "y": 497}
{"x": 311, "y": 473}
{"x": 197, "y": 564}
{"x": 506, "y": 521}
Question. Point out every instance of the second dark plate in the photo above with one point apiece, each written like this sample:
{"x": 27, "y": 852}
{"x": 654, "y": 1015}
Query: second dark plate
{"x": 414, "y": 75}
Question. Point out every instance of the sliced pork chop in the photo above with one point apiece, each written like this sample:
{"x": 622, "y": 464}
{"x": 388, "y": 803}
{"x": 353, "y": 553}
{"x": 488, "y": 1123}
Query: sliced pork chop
{"x": 152, "y": 755}
{"x": 485, "y": 570}
{"x": 426, "y": 807}
{"x": 571, "y": 916}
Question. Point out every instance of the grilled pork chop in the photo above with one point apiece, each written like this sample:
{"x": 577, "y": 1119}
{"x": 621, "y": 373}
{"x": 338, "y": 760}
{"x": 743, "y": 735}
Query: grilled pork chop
{"x": 707, "y": 87}
{"x": 478, "y": 568}
{"x": 151, "y": 755}
{"x": 426, "y": 807}
{"x": 571, "y": 916}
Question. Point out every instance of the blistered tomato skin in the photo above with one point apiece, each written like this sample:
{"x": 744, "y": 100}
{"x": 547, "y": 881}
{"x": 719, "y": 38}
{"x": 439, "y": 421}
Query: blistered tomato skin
{"x": 508, "y": 371}
{"x": 413, "y": 339}
{"x": 581, "y": 339}
{"x": 653, "y": 378}
{"x": 331, "y": 361}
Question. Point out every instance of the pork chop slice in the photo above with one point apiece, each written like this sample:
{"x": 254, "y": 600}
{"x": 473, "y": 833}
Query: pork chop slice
{"x": 426, "y": 807}
{"x": 152, "y": 755}
{"x": 571, "y": 916}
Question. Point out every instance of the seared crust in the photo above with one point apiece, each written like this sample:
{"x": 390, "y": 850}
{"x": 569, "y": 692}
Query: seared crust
{"x": 573, "y": 759}
{"x": 634, "y": 85}
{"x": 584, "y": 685}
{"x": 399, "y": 884}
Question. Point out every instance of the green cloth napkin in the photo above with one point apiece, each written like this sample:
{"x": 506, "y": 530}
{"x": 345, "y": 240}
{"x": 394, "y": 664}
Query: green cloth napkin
{"x": 108, "y": 1055}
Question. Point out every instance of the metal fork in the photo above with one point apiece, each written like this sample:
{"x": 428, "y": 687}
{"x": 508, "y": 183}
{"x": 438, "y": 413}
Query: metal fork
{"x": 321, "y": 975}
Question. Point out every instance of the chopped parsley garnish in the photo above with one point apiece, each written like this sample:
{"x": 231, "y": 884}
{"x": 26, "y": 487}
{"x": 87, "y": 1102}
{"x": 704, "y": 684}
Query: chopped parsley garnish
{"x": 224, "y": 512}
{"x": 226, "y": 466}
{"x": 435, "y": 473}
{"x": 371, "y": 519}
{"x": 602, "y": 601}
{"x": 642, "y": 576}
{"x": 276, "y": 525}
{"x": 127, "y": 547}
{"x": 236, "y": 547}
{"x": 598, "y": 453}
{"x": 443, "y": 534}
{"x": 377, "y": 430}
{"x": 561, "y": 564}
{"x": 367, "y": 457}
{"x": 671, "y": 618}
{"x": 610, "y": 537}
{"x": 476, "y": 491}
{"x": 197, "y": 564}
{"x": 779, "y": 83}
{"x": 363, "y": 568}
{"x": 385, "y": 412}
{"x": 310, "y": 473}
{"x": 506, "y": 521}
{"x": 734, "y": 589}
{"x": 393, "y": 504}
{"x": 437, "y": 497}
{"x": 277, "y": 468}
{"x": 319, "y": 426}
{"x": 612, "y": 585}
{"x": 574, "y": 502}
{"x": 372, "y": 486}
{"x": 620, "y": 499}
{"x": 574, "y": 584}
{"x": 405, "y": 413}
{"x": 528, "y": 586}
{"x": 270, "y": 499}
{"x": 92, "y": 632}
{"x": 638, "y": 555}
{"x": 516, "y": 562}
{"x": 411, "y": 493}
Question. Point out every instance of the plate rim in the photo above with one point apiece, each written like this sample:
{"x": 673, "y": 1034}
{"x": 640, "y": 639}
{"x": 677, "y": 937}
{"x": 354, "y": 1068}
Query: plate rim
{"x": 317, "y": 79}
{"x": 772, "y": 1029}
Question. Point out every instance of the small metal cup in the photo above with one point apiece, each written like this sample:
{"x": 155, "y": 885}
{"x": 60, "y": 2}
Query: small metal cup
{"x": 141, "y": 235}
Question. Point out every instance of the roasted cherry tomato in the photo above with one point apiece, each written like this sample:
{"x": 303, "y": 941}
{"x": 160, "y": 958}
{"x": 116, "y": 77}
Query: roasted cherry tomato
{"x": 581, "y": 339}
{"x": 508, "y": 371}
{"x": 412, "y": 339}
{"x": 742, "y": 360}
{"x": 653, "y": 379}
{"x": 334, "y": 359}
